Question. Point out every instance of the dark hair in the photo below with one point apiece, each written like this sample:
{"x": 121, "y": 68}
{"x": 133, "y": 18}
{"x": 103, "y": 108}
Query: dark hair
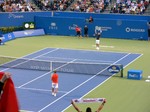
{"x": 54, "y": 71}
{"x": 88, "y": 109}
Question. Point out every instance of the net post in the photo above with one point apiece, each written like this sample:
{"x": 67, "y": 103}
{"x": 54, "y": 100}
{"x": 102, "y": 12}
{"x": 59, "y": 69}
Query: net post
{"x": 51, "y": 67}
{"x": 121, "y": 70}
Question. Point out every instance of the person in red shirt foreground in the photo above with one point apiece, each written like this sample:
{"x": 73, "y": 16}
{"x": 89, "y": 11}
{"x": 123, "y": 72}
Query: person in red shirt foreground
{"x": 54, "y": 79}
{"x": 8, "y": 97}
{"x": 88, "y": 109}
{"x": 5, "y": 76}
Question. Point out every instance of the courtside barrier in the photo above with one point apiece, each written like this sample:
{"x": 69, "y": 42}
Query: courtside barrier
{"x": 29, "y": 33}
{"x": 7, "y": 37}
{"x": 25, "y": 33}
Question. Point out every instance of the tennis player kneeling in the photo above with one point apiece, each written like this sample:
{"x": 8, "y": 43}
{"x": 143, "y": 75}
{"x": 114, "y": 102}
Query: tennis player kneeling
{"x": 88, "y": 109}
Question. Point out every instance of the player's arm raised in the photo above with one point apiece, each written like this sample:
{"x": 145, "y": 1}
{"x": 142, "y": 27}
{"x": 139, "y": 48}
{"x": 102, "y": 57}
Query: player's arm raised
{"x": 73, "y": 104}
{"x": 101, "y": 106}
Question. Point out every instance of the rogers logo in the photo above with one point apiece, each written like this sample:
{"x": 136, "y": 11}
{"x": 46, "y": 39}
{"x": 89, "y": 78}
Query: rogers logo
{"x": 127, "y": 29}
{"x": 134, "y": 30}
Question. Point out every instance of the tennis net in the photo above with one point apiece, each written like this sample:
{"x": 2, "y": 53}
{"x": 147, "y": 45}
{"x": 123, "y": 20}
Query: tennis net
{"x": 61, "y": 66}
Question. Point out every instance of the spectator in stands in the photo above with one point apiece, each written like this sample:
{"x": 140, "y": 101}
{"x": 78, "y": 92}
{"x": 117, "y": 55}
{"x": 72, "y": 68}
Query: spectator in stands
{"x": 130, "y": 7}
{"x": 89, "y": 6}
{"x": 91, "y": 19}
{"x": 53, "y": 5}
{"x": 14, "y": 6}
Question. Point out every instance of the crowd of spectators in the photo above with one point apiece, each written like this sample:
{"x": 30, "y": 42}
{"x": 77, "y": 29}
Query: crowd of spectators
{"x": 90, "y": 6}
{"x": 16, "y": 6}
{"x": 130, "y": 6}
{"x": 53, "y": 5}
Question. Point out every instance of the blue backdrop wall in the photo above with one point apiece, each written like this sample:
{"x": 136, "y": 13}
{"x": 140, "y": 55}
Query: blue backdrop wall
{"x": 63, "y": 23}
{"x": 17, "y": 19}
{"x": 112, "y": 28}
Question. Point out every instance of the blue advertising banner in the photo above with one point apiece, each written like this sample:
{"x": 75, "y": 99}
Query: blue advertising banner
{"x": 28, "y": 33}
{"x": 17, "y": 19}
{"x": 63, "y": 23}
{"x": 124, "y": 29}
{"x": 8, "y": 37}
{"x": 59, "y": 26}
{"x": 25, "y": 33}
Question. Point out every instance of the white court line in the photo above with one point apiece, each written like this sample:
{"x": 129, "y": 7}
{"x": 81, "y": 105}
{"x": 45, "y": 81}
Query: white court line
{"x": 80, "y": 84}
{"x": 79, "y": 59}
{"x": 34, "y": 79}
{"x": 46, "y": 53}
{"x": 104, "y": 46}
{"x": 102, "y": 82}
{"x": 96, "y": 51}
{"x": 34, "y": 89}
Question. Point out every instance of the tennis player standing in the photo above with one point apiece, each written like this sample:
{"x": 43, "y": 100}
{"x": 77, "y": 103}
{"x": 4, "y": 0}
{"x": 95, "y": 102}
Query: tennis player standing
{"x": 54, "y": 79}
{"x": 98, "y": 32}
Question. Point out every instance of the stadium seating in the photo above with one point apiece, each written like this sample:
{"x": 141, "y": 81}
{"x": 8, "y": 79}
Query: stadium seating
{"x": 89, "y": 6}
{"x": 16, "y": 6}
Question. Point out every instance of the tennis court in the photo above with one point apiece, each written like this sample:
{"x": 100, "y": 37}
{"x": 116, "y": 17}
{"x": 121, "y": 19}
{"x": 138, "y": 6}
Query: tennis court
{"x": 34, "y": 86}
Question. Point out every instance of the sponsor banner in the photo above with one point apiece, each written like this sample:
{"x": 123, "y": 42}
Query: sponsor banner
{"x": 28, "y": 33}
{"x": 59, "y": 26}
{"x": 111, "y": 28}
{"x": 135, "y": 74}
{"x": 63, "y": 23}
{"x": 8, "y": 37}
{"x": 114, "y": 69}
{"x": 17, "y": 19}
{"x": 123, "y": 29}
{"x": 88, "y": 100}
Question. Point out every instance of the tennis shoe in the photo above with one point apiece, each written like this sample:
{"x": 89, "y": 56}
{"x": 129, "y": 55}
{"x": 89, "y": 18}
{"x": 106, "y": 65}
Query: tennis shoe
{"x": 54, "y": 94}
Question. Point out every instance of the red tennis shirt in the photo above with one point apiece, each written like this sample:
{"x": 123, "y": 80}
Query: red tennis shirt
{"x": 54, "y": 78}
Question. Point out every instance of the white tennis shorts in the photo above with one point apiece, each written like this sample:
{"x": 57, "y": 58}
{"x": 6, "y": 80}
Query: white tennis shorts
{"x": 97, "y": 41}
{"x": 54, "y": 85}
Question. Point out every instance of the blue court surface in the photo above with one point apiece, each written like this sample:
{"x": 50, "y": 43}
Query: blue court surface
{"x": 34, "y": 87}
